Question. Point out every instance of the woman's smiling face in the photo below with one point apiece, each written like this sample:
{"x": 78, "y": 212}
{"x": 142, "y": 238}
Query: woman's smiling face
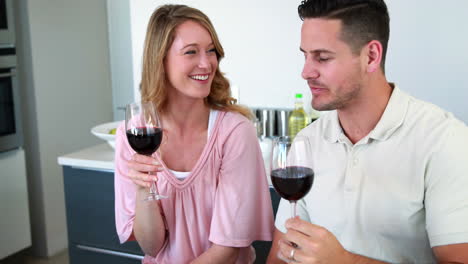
{"x": 191, "y": 61}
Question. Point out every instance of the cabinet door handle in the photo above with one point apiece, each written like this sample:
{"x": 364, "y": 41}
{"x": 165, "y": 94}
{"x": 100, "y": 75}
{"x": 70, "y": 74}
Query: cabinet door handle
{"x": 110, "y": 252}
{"x": 3, "y": 75}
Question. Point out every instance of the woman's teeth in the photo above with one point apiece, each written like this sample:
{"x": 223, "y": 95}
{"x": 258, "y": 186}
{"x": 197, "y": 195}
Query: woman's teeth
{"x": 200, "y": 77}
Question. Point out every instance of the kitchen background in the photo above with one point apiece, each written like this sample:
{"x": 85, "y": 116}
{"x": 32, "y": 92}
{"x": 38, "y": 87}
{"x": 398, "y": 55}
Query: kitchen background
{"x": 78, "y": 61}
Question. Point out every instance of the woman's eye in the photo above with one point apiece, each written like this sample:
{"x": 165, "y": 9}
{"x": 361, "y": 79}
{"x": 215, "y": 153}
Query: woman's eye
{"x": 212, "y": 50}
{"x": 190, "y": 52}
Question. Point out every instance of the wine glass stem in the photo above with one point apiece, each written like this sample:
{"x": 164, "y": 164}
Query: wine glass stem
{"x": 293, "y": 209}
{"x": 293, "y": 214}
{"x": 152, "y": 189}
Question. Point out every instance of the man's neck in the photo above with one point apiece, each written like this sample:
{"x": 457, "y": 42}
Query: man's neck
{"x": 361, "y": 117}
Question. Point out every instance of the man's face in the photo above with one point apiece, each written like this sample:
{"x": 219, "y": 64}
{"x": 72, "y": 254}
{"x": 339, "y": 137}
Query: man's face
{"x": 334, "y": 74}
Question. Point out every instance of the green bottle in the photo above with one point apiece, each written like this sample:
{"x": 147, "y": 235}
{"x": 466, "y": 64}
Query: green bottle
{"x": 298, "y": 117}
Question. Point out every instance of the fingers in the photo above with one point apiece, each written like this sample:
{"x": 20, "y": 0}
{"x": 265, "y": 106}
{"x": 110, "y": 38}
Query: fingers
{"x": 305, "y": 227}
{"x": 145, "y": 159}
{"x": 144, "y": 164}
{"x": 141, "y": 179}
{"x": 289, "y": 253}
{"x": 142, "y": 170}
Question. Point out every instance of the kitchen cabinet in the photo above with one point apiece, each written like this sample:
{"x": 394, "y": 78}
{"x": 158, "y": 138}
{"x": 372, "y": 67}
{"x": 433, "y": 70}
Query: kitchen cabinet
{"x": 14, "y": 224}
{"x": 89, "y": 199}
{"x": 92, "y": 238}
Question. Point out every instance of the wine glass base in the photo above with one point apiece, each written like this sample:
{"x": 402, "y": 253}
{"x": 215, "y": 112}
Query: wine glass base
{"x": 155, "y": 197}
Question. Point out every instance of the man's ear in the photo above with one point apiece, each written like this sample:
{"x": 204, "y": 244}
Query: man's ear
{"x": 374, "y": 53}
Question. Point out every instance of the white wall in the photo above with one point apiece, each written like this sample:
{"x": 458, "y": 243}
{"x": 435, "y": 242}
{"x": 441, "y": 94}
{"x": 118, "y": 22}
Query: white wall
{"x": 120, "y": 48}
{"x": 428, "y": 51}
{"x": 65, "y": 83}
{"x": 427, "y": 56}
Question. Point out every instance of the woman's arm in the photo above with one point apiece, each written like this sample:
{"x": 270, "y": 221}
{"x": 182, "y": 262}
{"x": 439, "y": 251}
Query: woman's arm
{"x": 218, "y": 254}
{"x": 136, "y": 218}
{"x": 148, "y": 228}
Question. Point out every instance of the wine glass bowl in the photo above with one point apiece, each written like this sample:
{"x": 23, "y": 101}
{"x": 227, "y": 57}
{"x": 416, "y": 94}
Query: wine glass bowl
{"x": 291, "y": 174}
{"x": 293, "y": 182}
{"x": 144, "y": 140}
{"x": 144, "y": 132}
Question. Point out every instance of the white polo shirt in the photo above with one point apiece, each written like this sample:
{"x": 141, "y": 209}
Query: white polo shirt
{"x": 397, "y": 192}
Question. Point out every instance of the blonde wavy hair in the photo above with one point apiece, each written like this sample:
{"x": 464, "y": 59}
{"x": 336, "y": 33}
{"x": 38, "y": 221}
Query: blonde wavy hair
{"x": 159, "y": 37}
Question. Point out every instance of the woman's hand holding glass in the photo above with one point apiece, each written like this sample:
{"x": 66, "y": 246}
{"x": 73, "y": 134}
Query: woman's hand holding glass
{"x": 142, "y": 170}
{"x": 144, "y": 132}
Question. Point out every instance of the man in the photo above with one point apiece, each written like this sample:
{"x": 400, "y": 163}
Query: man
{"x": 391, "y": 171}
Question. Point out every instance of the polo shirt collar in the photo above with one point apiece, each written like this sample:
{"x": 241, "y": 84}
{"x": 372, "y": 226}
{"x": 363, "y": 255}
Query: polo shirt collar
{"x": 393, "y": 116}
{"x": 333, "y": 130}
{"x": 390, "y": 121}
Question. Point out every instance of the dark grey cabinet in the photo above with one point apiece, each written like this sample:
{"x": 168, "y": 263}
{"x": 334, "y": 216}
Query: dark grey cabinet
{"x": 92, "y": 238}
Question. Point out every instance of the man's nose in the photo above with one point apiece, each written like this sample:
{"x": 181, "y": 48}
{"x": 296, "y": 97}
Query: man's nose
{"x": 309, "y": 71}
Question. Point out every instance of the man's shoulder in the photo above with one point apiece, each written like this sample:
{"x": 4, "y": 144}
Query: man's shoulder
{"x": 429, "y": 115}
{"x": 432, "y": 125}
{"x": 321, "y": 125}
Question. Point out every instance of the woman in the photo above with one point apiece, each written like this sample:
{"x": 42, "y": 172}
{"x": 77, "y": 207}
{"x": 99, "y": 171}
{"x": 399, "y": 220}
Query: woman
{"x": 209, "y": 165}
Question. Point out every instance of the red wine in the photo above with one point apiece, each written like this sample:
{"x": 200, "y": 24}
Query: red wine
{"x": 292, "y": 183}
{"x": 145, "y": 140}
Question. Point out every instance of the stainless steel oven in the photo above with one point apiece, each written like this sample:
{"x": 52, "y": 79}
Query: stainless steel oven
{"x": 10, "y": 117}
{"x": 7, "y": 30}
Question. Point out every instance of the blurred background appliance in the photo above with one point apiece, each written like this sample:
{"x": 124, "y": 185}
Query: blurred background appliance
{"x": 273, "y": 121}
{"x": 10, "y": 116}
{"x": 7, "y": 31}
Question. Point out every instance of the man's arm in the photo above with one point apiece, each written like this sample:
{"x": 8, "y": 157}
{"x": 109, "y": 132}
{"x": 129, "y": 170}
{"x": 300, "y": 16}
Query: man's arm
{"x": 273, "y": 255}
{"x": 316, "y": 245}
{"x": 456, "y": 253}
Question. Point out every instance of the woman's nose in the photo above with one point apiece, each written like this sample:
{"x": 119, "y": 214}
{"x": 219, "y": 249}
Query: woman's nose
{"x": 204, "y": 61}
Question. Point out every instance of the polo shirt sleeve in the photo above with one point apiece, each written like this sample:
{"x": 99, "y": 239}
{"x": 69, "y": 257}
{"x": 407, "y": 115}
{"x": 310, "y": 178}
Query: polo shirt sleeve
{"x": 242, "y": 210}
{"x": 446, "y": 192}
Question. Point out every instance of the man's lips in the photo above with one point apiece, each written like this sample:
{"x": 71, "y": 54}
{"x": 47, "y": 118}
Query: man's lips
{"x": 317, "y": 89}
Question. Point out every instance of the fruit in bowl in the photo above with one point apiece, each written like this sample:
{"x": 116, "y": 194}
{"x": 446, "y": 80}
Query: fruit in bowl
{"x": 106, "y": 132}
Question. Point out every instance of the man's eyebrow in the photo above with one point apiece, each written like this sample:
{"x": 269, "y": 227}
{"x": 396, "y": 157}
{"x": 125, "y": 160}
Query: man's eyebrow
{"x": 317, "y": 51}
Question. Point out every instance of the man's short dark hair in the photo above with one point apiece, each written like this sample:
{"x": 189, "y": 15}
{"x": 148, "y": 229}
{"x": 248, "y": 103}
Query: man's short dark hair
{"x": 362, "y": 20}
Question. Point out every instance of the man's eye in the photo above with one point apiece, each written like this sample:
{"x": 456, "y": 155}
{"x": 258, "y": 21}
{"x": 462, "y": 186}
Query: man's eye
{"x": 323, "y": 59}
{"x": 190, "y": 52}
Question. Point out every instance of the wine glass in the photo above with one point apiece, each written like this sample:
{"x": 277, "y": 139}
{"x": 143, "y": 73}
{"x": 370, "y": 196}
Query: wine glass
{"x": 291, "y": 174}
{"x": 144, "y": 134}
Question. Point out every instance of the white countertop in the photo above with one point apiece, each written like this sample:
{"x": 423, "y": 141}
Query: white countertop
{"x": 100, "y": 157}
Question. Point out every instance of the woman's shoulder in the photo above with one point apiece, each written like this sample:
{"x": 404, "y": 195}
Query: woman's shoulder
{"x": 234, "y": 117}
{"x": 233, "y": 121}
